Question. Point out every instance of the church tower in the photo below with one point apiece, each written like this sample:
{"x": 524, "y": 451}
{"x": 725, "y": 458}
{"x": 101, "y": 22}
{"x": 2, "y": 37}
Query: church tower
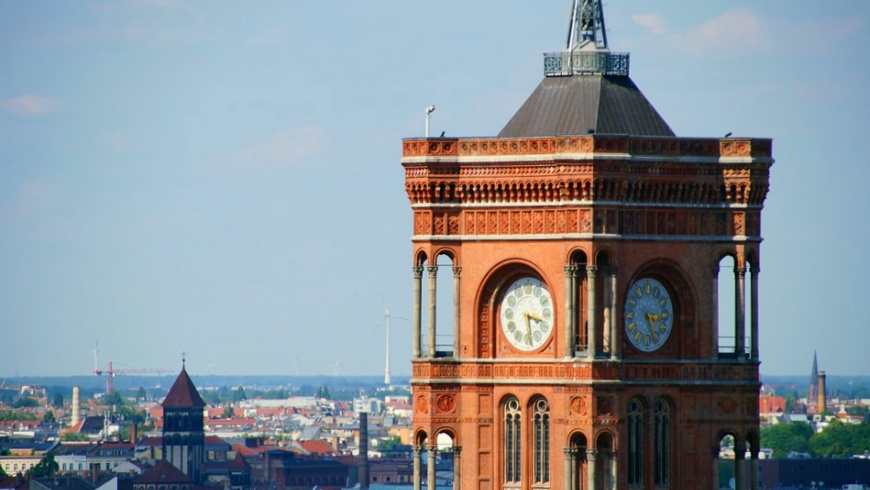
{"x": 184, "y": 427}
{"x": 584, "y": 245}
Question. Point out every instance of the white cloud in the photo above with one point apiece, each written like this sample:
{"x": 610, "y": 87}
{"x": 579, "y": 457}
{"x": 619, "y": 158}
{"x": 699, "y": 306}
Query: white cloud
{"x": 654, "y": 23}
{"x": 286, "y": 148}
{"x": 729, "y": 31}
{"x": 28, "y": 105}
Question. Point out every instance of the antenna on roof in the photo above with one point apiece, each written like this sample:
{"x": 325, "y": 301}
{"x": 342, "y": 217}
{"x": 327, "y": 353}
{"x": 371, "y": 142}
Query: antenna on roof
{"x": 429, "y": 111}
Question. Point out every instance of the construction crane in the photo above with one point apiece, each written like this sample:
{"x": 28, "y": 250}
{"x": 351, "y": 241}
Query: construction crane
{"x": 110, "y": 372}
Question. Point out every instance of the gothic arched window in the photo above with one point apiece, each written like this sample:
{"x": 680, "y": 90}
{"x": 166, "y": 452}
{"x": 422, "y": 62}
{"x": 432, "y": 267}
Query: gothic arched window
{"x": 662, "y": 442}
{"x": 541, "y": 419}
{"x": 635, "y": 443}
{"x": 512, "y": 441}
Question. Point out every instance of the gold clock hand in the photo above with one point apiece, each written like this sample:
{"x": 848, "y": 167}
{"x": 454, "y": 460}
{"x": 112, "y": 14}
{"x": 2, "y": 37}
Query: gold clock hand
{"x": 529, "y": 327}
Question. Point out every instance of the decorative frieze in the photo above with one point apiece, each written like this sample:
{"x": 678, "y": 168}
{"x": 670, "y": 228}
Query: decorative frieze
{"x": 561, "y": 221}
{"x": 634, "y": 145}
{"x": 646, "y": 372}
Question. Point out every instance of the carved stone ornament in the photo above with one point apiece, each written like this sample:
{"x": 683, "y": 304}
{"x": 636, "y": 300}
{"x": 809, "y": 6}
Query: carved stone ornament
{"x": 578, "y": 405}
{"x": 446, "y": 404}
{"x": 422, "y": 404}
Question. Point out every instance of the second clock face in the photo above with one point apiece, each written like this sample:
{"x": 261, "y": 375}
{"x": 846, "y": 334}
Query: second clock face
{"x": 526, "y": 313}
{"x": 649, "y": 314}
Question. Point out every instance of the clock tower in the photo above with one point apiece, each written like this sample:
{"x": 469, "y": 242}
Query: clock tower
{"x": 584, "y": 245}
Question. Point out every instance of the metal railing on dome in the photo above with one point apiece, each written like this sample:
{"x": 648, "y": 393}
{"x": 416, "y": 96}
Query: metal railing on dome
{"x": 585, "y": 62}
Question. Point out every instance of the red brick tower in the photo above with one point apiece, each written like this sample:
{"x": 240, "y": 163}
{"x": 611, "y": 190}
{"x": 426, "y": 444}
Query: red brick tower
{"x": 585, "y": 243}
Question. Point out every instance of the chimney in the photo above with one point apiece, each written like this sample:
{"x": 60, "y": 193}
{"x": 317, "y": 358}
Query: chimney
{"x": 363, "y": 457}
{"x": 823, "y": 400}
{"x": 134, "y": 434}
{"x": 76, "y": 406}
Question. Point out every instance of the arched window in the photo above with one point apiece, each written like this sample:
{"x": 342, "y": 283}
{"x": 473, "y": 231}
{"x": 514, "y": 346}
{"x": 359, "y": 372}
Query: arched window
{"x": 635, "y": 443}
{"x": 541, "y": 419}
{"x": 662, "y": 442}
{"x": 512, "y": 441}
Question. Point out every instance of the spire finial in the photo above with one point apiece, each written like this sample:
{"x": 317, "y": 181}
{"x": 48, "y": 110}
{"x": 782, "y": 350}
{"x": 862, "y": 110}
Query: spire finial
{"x": 587, "y": 31}
{"x": 586, "y": 52}
{"x": 183, "y": 359}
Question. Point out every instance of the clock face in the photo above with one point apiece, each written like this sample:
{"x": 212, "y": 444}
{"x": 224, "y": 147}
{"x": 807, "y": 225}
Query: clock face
{"x": 649, "y": 314}
{"x": 526, "y": 312}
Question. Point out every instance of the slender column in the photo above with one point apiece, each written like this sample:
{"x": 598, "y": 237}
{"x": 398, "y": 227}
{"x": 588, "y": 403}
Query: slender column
{"x": 715, "y": 455}
{"x": 590, "y": 308}
{"x": 739, "y": 468}
{"x": 753, "y": 319}
{"x": 714, "y": 321}
{"x": 740, "y": 312}
{"x": 433, "y": 274}
{"x": 607, "y": 307}
{"x": 430, "y": 467}
{"x": 753, "y": 469}
{"x": 457, "y": 271}
{"x": 568, "y": 468}
{"x": 415, "y": 317}
{"x": 614, "y": 334}
{"x": 614, "y": 476}
{"x": 418, "y": 450}
{"x": 590, "y": 468}
{"x": 457, "y": 468}
{"x": 570, "y": 317}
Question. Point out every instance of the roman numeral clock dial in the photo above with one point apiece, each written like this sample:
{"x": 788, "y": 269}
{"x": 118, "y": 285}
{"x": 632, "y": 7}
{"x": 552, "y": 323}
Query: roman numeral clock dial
{"x": 649, "y": 315}
{"x": 527, "y": 314}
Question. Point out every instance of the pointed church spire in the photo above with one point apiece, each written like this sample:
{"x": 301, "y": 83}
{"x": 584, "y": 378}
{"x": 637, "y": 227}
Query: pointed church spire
{"x": 586, "y": 52}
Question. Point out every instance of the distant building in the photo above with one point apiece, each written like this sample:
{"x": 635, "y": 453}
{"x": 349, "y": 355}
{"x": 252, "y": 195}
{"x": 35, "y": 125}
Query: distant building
{"x": 803, "y": 473}
{"x": 183, "y": 431}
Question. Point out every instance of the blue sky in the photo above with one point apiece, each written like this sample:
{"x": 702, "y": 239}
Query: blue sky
{"x": 224, "y": 179}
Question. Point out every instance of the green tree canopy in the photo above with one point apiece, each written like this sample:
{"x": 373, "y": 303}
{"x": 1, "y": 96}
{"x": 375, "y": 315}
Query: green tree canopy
{"x": 141, "y": 394}
{"x": 57, "y": 401}
{"x": 839, "y": 440}
{"x": 46, "y": 467}
{"x": 25, "y": 401}
{"x": 114, "y": 399}
{"x": 48, "y": 418}
{"x": 74, "y": 436}
{"x": 239, "y": 394}
{"x": 784, "y": 438}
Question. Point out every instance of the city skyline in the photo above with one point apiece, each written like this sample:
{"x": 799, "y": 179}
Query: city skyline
{"x": 190, "y": 176}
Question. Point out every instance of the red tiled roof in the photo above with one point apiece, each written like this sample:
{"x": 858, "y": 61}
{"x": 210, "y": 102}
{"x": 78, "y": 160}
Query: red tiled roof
{"x": 316, "y": 446}
{"x": 163, "y": 473}
{"x": 244, "y": 450}
{"x": 239, "y": 464}
{"x": 183, "y": 393}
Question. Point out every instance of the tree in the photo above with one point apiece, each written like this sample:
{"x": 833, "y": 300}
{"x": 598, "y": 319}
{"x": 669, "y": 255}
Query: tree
{"x": 114, "y": 399}
{"x": 25, "y": 401}
{"x": 785, "y": 438}
{"x": 48, "y": 418}
{"x": 46, "y": 467}
{"x": 74, "y": 437}
{"x": 141, "y": 394}
{"x": 323, "y": 392}
{"x": 57, "y": 401}
{"x": 239, "y": 394}
{"x": 840, "y": 440}
{"x": 228, "y": 412}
